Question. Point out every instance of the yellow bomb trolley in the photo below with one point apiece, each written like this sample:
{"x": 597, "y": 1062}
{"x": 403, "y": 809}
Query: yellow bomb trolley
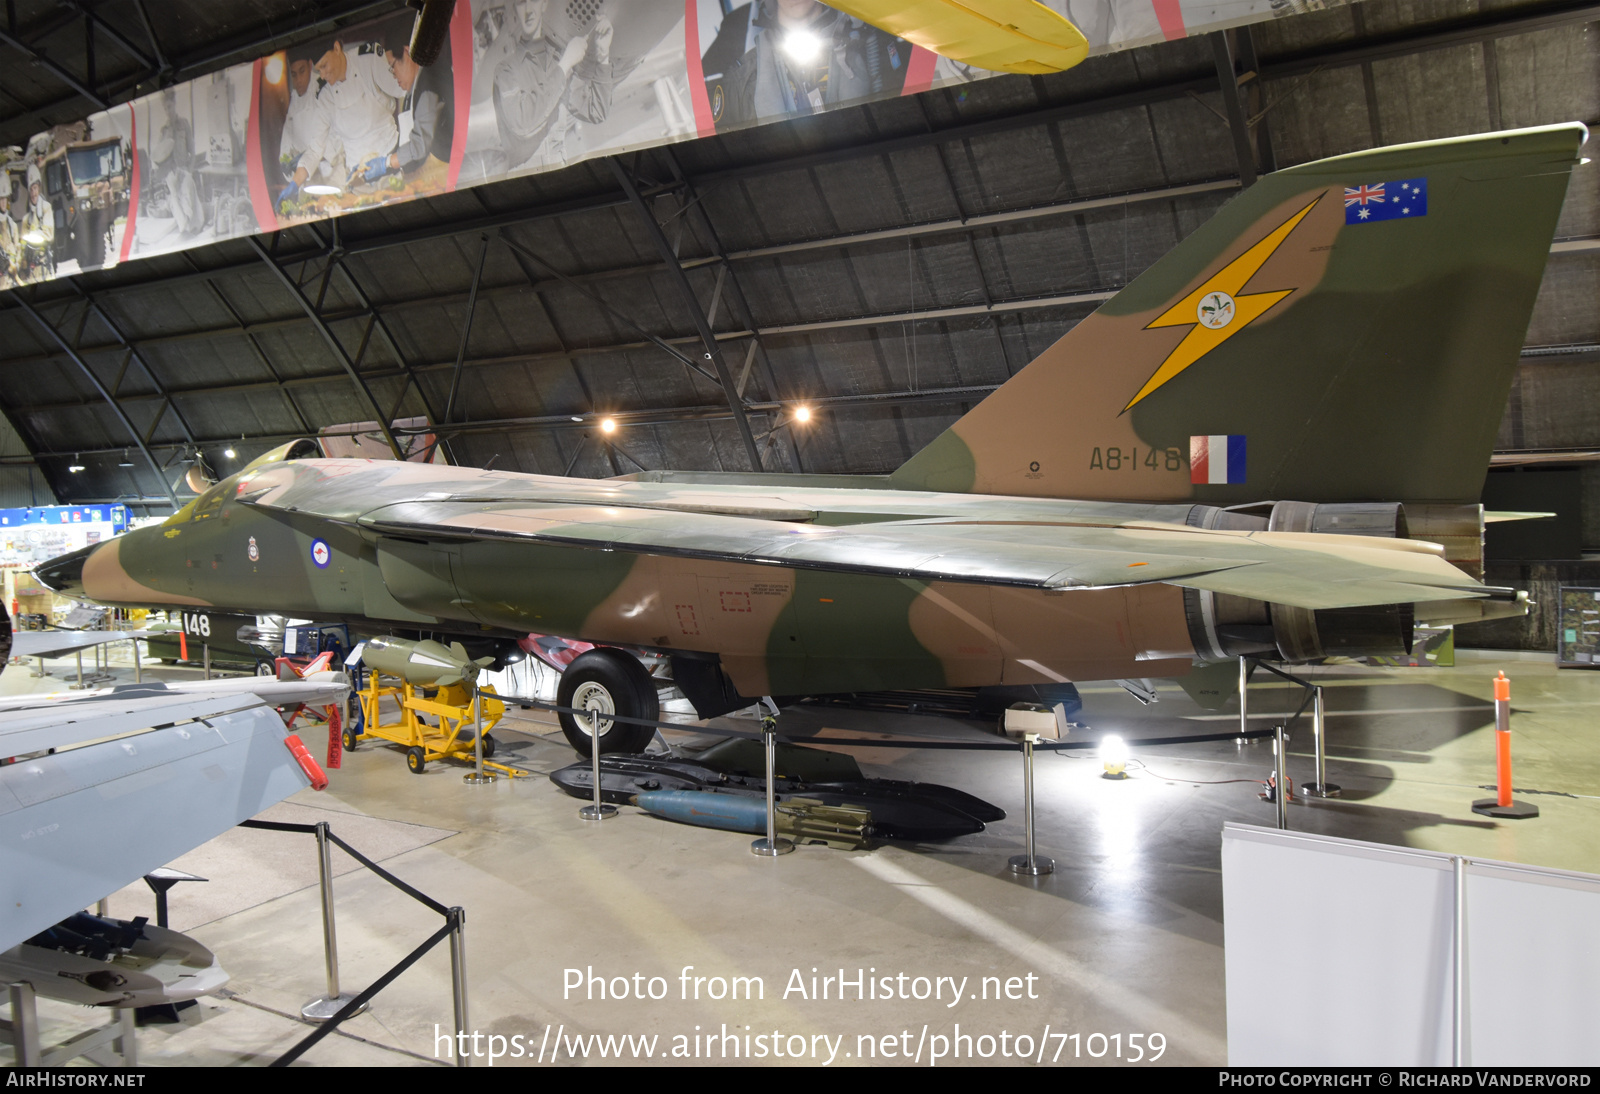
{"x": 421, "y": 667}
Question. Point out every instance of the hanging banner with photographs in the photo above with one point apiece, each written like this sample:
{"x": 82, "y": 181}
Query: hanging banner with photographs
{"x": 349, "y": 121}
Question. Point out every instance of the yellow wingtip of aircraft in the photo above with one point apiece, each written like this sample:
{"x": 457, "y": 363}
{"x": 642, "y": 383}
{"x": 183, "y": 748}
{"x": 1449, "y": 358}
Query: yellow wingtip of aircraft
{"x": 1021, "y": 36}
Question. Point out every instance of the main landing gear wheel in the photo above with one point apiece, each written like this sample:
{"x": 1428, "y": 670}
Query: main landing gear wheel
{"x": 416, "y": 759}
{"x": 608, "y": 681}
{"x": 266, "y": 668}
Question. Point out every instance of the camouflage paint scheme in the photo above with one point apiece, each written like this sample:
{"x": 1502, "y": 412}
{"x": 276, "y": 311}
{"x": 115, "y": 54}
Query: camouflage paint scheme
{"x": 987, "y": 590}
{"x": 1365, "y": 362}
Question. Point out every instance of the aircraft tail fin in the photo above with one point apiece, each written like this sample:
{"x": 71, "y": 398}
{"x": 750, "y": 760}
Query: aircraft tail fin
{"x": 1343, "y": 330}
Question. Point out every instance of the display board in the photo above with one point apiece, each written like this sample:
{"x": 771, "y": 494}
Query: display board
{"x": 347, "y": 121}
{"x": 29, "y": 537}
{"x": 1342, "y": 953}
{"x": 1579, "y": 643}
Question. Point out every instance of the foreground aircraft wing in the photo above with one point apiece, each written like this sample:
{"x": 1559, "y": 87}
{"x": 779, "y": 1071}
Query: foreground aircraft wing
{"x": 1303, "y": 570}
{"x": 61, "y": 643}
{"x": 138, "y": 776}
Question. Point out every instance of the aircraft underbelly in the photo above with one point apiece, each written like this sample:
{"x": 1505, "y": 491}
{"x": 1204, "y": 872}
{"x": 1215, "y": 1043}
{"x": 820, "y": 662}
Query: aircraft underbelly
{"x": 1090, "y": 634}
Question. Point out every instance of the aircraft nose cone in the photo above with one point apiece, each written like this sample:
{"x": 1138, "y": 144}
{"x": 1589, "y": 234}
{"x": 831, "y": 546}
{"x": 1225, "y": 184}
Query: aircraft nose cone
{"x": 64, "y": 573}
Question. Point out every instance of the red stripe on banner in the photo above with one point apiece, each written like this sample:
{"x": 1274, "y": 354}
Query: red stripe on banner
{"x": 1199, "y": 459}
{"x": 266, "y": 215}
{"x": 461, "y": 76}
{"x": 133, "y": 186}
{"x": 919, "y": 71}
{"x": 1170, "y": 16}
{"x": 704, "y": 124}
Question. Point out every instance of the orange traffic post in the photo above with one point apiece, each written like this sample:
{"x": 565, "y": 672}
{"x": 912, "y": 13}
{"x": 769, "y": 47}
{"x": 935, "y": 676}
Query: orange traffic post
{"x": 1501, "y": 805}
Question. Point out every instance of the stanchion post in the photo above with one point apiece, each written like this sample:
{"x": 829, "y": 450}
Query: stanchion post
{"x": 458, "y": 980}
{"x": 205, "y": 657}
{"x": 1322, "y": 788}
{"x": 326, "y": 1006}
{"x": 25, "y": 1024}
{"x": 127, "y": 1037}
{"x": 596, "y": 810}
{"x": 1501, "y": 804}
{"x": 138, "y": 667}
{"x": 1458, "y": 961}
{"x": 79, "y": 685}
{"x": 1280, "y": 775}
{"x": 477, "y": 776}
{"x": 1029, "y": 864}
{"x": 771, "y": 846}
{"x": 1244, "y": 698}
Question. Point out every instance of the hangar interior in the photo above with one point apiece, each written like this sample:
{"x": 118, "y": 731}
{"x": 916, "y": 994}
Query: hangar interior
{"x": 885, "y": 266}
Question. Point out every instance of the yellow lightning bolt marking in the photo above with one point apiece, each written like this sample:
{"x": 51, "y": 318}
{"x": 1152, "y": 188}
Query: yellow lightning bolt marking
{"x": 1230, "y": 279}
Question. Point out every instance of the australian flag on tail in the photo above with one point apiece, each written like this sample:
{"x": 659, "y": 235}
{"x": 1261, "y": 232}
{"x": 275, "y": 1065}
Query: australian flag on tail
{"x": 1402, "y": 200}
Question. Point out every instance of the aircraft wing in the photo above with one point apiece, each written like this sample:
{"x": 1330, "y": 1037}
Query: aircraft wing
{"x": 1004, "y": 35}
{"x": 61, "y": 643}
{"x": 1300, "y": 569}
{"x": 140, "y": 776}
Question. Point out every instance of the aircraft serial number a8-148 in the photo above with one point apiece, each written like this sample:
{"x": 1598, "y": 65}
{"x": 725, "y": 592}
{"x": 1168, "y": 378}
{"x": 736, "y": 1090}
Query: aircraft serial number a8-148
{"x": 1340, "y": 339}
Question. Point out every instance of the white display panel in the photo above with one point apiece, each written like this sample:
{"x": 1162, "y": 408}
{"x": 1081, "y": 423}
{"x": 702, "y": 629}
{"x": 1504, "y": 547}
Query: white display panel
{"x": 1340, "y": 952}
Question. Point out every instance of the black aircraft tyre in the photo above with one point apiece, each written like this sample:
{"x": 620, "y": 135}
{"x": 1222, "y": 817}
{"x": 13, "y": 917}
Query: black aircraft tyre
{"x": 612, "y": 682}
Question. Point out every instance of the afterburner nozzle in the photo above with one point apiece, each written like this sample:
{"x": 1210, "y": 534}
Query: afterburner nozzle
{"x": 424, "y": 663}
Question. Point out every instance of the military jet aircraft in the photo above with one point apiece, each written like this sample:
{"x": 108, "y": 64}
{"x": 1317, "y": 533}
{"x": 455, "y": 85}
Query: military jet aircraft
{"x": 1271, "y": 443}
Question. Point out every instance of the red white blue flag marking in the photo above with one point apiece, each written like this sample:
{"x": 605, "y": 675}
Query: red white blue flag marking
{"x": 1216, "y": 459}
{"x": 1406, "y": 199}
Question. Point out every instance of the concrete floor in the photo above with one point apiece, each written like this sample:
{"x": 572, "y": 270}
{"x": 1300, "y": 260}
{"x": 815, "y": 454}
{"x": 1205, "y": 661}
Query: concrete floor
{"x": 1125, "y": 938}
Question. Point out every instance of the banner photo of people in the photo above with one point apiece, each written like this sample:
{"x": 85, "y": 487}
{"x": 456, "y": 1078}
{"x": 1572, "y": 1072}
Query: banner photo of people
{"x": 189, "y": 150}
{"x": 64, "y": 200}
{"x": 351, "y": 121}
{"x": 347, "y": 122}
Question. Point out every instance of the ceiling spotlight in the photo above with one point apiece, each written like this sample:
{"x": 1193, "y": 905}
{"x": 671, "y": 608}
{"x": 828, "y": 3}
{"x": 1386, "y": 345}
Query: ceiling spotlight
{"x": 228, "y": 453}
{"x": 802, "y": 414}
{"x": 802, "y": 45}
{"x": 577, "y": 417}
{"x": 608, "y": 425}
{"x": 125, "y": 461}
{"x": 1114, "y": 757}
{"x": 75, "y": 468}
{"x": 322, "y": 189}
{"x": 272, "y": 71}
